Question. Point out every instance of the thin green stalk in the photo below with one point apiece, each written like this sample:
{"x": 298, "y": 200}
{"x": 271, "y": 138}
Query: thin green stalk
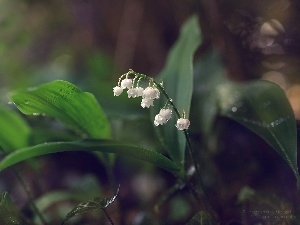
{"x": 29, "y": 196}
{"x": 108, "y": 217}
{"x": 205, "y": 203}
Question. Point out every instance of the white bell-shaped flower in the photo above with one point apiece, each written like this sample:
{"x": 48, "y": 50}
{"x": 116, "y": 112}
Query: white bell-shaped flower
{"x": 117, "y": 90}
{"x": 140, "y": 91}
{"x": 159, "y": 120}
{"x": 146, "y": 102}
{"x": 182, "y": 124}
{"x": 163, "y": 117}
{"x": 150, "y": 93}
{"x": 126, "y": 83}
{"x": 132, "y": 92}
{"x": 166, "y": 113}
{"x": 157, "y": 93}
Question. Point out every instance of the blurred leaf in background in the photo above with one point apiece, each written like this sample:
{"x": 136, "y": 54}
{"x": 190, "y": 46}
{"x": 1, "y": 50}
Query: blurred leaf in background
{"x": 177, "y": 78}
{"x": 8, "y": 213}
{"x": 15, "y": 132}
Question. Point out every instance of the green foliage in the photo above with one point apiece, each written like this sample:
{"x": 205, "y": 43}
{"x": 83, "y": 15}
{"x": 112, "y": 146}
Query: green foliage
{"x": 260, "y": 106}
{"x": 177, "y": 77}
{"x": 208, "y": 75}
{"x": 14, "y": 132}
{"x": 96, "y": 204}
{"x": 263, "y": 107}
{"x": 105, "y": 146}
{"x": 8, "y": 213}
{"x": 64, "y": 101}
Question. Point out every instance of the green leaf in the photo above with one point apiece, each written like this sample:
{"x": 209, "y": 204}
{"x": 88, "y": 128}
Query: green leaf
{"x": 8, "y": 214}
{"x": 64, "y": 101}
{"x": 96, "y": 204}
{"x": 202, "y": 218}
{"x": 208, "y": 73}
{"x": 263, "y": 107}
{"x": 106, "y": 146}
{"x": 83, "y": 207}
{"x": 177, "y": 77}
{"x": 14, "y": 132}
{"x": 105, "y": 202}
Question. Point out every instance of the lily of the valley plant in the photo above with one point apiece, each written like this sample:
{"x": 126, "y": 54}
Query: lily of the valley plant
{"x": 131, "y": 82}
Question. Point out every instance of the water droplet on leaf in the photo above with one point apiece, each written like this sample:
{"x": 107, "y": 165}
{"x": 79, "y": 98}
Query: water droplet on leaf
{"x": 234, "y": 109}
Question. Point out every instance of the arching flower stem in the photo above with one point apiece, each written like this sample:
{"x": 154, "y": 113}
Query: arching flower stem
{"x": 171, "y": 103}
{"x": 149, "y": 94}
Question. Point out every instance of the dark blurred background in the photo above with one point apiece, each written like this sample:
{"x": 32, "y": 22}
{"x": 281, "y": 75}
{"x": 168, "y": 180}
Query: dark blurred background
{"x": 41, "y": 39}
{"x": 88, "y": 42}
{"x": 81, "y": 40}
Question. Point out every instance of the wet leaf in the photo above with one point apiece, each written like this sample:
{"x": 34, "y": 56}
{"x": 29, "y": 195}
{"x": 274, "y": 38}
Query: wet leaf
{"x": 64, "y": 101}
{"x": 96, "y": 204}
{"x": 83, "y": 207}
{"x": 105, "y": 202}
{"x": 177, "y": 77}
{"x": 106, "y": 146}
{"x": 263, "y": 107}
{"x": 8, "y": 214}
{"x": 14, "y": 132}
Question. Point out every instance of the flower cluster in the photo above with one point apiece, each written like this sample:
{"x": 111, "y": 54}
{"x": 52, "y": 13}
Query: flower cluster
{"x": 149, "y": 94}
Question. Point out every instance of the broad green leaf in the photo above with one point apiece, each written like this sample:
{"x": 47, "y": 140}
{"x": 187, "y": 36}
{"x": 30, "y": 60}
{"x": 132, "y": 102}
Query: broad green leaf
{"x": 64, "y": 101}
{"x": 177, "y": 77}
{"x": 256, "y": 105}
{"x": 8, "y": 214}
{"x": 202, "y": 218}
{"x": 14, "y": 132}
{"x": 208, "y": 73}
{"x": 105, "y": 146}
{"x": 96, "y": 204}
{"x": 263, "y": 107}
